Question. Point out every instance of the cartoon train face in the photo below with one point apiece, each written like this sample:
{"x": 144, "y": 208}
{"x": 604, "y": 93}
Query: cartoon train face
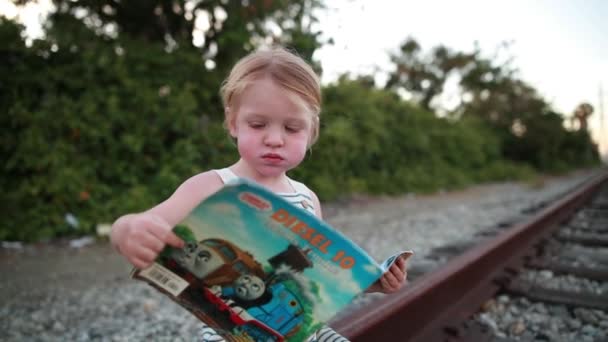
{"x": 216, "y": 261}
{"x": 198, "y": 258}
{"x": 249, "y": 287}
{"x": 271, "y": 309}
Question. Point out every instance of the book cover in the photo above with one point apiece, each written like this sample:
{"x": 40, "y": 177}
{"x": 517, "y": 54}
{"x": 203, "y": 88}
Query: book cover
{"x": 257, "y": 268}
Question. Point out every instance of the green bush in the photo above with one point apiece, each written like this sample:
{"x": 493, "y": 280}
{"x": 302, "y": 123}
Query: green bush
{"x": 548, "y": 147}
{"x": 96, "y": 133}
{"x": 378, "y": 143}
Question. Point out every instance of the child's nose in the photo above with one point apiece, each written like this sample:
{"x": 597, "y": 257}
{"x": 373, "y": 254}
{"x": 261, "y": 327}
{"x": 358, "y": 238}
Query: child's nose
{"x": 274, "y": 137}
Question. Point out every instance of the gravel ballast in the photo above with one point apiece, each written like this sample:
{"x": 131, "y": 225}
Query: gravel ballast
{"x": 51, "y": 292}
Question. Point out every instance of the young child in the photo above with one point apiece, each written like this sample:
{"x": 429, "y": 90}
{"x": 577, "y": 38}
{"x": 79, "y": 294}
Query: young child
{"x": 272, "y": 102}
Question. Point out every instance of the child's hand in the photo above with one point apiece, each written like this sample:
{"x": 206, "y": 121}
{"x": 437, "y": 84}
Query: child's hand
{"x": 393, "y": 279}
{"x": 141, "y": 237}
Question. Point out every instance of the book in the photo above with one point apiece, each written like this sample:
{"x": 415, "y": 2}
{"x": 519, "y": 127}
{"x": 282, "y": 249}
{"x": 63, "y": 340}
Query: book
{"x": 257, "y": 268}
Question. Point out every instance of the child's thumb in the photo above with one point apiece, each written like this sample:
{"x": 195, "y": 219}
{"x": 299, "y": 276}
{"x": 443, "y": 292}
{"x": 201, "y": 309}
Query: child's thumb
{"x": 406, "y": 255}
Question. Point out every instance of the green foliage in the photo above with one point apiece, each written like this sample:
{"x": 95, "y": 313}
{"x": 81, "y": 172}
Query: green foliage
{"x": 96, "y": 134}
{"x": 425, "y": 76}
{"x": 524, "y": 128}
{"x": 231, "y": 27}
{"x": 547, "y": 145}
{"x": 114, "y": 108}
{"x": 378, "y": 143}
{"x": 98, "y": 126}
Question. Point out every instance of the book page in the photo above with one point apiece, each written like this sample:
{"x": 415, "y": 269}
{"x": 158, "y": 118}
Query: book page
{"x": 255, "y": 267}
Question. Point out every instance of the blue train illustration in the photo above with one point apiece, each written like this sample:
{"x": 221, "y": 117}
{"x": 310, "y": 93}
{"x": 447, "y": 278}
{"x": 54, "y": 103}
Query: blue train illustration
{"x": 278, "y": 318}
{"x": 283, "y": 313}
{"x": 252, "y": 302}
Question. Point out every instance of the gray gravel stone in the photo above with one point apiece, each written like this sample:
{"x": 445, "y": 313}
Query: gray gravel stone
{"x": 47, "y": 297}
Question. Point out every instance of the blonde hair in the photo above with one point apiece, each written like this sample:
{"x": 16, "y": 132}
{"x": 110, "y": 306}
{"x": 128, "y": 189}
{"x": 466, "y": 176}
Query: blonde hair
{"x": 288, "y": 70}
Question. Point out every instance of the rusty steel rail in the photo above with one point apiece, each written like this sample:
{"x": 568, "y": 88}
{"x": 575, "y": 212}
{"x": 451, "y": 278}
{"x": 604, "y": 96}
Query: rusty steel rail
{"x": 432, "y": 307}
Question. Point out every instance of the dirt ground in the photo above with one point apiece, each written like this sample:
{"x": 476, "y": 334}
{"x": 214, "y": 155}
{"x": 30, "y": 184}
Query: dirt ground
{"x": 58, "y": 266}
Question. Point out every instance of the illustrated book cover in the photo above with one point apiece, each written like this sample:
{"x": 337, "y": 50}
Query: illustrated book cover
{"x": 257, "y": 268}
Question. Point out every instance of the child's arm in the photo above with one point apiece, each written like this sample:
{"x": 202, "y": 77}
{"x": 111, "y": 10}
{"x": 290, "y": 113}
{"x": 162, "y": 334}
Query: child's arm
{"x": 317, "y": 204}
{"x": 140, "y": 237}
{"x": 392, "y": 280}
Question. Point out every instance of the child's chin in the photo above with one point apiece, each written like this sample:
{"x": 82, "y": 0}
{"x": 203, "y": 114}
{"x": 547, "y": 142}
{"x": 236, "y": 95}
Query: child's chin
{"x": 272, "y": 170}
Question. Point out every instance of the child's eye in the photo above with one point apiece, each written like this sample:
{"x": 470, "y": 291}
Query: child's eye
{"x": 257, "y": 125}
{"x": 204, "y": 255}
{"x": 292, "y": 129}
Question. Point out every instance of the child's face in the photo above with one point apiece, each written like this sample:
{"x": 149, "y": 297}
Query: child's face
{"x": 272, "y": 131}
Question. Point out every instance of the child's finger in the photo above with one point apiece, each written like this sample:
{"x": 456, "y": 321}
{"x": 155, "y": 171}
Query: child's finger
{"x": 390, "y": 285}
{"x": 402, "y": 262}
{"x": 145, "y": 254}
{"x": 174, "y": 240}
{"x": 397, "y": 271}
{"x": 152, "y": 242}
{"x": 406, "y": 256}
{"x": 140, "y": 264}
{"x": 142, "y": 257}
{"x": 164, "y": 232}
{"x": 384, "y": 282}
{"x": 391, "y": 280}
{"x": 157, "y": 226}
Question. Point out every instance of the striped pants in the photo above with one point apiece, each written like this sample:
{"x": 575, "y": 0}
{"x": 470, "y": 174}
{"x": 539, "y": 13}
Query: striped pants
{"x": 325, "y": 334}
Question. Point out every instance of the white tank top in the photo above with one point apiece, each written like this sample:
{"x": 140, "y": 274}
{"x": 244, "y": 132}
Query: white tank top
{"x": 301, "y": 197}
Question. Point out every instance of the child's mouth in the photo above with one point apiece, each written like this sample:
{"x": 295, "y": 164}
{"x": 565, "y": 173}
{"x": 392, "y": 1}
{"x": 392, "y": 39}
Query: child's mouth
{"x": 271, "y": 157}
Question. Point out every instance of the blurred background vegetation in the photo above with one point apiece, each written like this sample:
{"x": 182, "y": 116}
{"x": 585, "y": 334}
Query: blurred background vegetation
{"x": 118, "y": 104}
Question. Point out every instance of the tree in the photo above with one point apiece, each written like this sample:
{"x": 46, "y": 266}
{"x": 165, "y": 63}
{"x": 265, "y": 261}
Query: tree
{"x": 223, "y": 31}
{"x": 582, "y": 112}
{"x": 530, "y": 131}
{"x": 495, "y": 94}
{"x": 425, "y": 76}
{"x": 492, "y": 93}
{"x": 109, "y": 111}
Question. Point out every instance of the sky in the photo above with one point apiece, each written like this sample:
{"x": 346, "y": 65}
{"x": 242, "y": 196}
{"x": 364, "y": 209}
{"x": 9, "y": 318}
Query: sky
{"x": 559, "y": 46}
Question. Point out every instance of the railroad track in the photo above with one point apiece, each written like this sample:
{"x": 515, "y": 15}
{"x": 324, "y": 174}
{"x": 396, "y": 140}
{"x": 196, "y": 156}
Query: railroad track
{"x": 512, "y": 287}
